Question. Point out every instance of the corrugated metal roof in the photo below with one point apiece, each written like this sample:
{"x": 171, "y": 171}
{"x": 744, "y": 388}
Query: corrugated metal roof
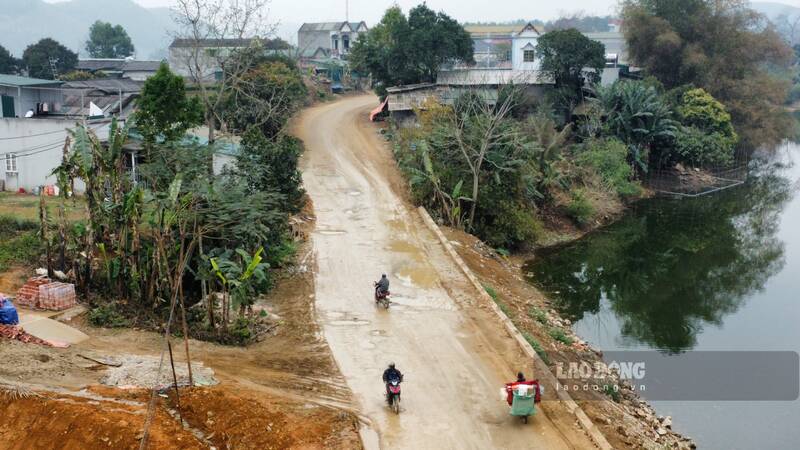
{"x": 491, "y": 77}
{"x": 14, "y": 80}
{"x": 329, "y": 26}
{"x": 322, "y": 26}
{"x": 117, "y": 64}
{"x": 269, "y": 44}
{"x": 110, "y": 85}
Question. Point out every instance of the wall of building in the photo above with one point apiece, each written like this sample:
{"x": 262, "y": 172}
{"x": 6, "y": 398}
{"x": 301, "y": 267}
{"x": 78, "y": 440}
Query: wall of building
{"x": 312, "y": 40}
{"x": 37, "y": 145}
{"x": 138, "y": 75}
{"x": 518, "y": 46}
{"x": 30, "y": 97}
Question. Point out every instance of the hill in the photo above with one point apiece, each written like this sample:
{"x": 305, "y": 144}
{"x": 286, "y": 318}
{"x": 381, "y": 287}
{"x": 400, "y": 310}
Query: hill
{"x": 772, "y": 9}
{"x": 26, "y": 21}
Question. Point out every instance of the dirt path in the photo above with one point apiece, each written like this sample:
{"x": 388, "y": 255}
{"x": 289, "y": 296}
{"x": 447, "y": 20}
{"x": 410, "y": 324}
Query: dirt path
{"x": 454, "y": 367}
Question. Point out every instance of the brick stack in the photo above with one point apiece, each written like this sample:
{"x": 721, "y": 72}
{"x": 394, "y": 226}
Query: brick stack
{"x": 56, "y": 296}
{"x": 42, "y": 293}
{"x": 28, "y": 295}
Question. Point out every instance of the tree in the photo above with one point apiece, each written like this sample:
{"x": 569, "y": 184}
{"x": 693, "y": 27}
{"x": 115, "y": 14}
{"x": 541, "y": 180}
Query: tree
{"x": 402, "y": 50}
{"x": 569, "y": 57}
{"x": 199, "y": 21}
{"x": 8, "y": 64}
{"x": 48, "y": 59}
{"x": 266, "y": 98}
{"x": 719, "y": 45}
{"x": 707, "y": 136}
{"x": 108, "y": 41}
{"x": 636, "y": 114}
{"x": 165, "y": 112}
{"x": 271, "y": 166}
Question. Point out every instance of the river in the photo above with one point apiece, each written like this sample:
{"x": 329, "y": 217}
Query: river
{"x": 714, "y": 273}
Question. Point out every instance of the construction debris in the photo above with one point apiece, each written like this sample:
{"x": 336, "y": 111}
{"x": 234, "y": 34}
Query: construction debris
{"x": 17, "y": 333}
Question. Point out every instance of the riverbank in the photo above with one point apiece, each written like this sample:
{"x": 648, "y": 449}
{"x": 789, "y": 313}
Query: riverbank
{"x": 624, "y": 418}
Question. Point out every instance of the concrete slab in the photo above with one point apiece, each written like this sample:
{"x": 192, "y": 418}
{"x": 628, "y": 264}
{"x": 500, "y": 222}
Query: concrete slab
{"x": 39, "y": 325}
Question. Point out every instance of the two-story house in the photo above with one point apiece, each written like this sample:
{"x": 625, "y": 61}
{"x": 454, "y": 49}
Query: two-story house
{"x": 328, "y": 39}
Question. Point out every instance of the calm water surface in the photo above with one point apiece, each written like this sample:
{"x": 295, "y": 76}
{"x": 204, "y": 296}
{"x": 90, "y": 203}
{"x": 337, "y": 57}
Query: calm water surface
{"x": 720, "y": 272}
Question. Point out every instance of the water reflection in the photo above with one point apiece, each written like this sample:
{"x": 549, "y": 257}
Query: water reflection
{"x": 671, "y": 267}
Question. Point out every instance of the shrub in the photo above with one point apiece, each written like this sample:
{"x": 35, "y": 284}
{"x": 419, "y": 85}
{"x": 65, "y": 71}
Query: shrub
{"x": 612, "y": 391}
{"x": 580, "y": 209}
{"x": 109, "y": 316}
{"x": 559, "y": 335}
{"x": 241, "y": 331}
{"x": 537, "y": 314}
{"x": 510, "y": 226}
{"x": 608, "y": 157}
{"x": 698, "y": 148}
{"x": 536, "y": 347}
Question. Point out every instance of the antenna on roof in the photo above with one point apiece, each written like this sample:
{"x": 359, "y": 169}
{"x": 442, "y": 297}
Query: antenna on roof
{"x": 347, "y": 10}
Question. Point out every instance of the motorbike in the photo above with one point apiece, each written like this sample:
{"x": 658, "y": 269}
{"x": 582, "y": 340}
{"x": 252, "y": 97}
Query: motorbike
{"x": 393, "y": 395}
{"x": 382, "y": 298}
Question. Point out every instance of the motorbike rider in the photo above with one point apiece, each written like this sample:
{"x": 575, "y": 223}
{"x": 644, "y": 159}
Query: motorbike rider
{"x": 391, "y": 374}
{"x": 382, "y": 286}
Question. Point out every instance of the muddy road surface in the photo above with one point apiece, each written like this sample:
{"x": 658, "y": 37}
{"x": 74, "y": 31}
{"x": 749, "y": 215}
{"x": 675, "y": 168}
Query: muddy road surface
{"x": 453, "y": 364}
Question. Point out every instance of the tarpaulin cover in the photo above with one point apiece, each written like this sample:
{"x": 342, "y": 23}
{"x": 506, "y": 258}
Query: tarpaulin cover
{"x": 378, "y": 110}
{"x": 523, "y": 405}
{"x": 8, "y": 313}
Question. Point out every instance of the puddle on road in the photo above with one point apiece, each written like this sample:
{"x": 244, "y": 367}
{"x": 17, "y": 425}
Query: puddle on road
{"x": 418, "y": 275}
{"x": 331, "y": 232}
{"x": 354, "y": 193}
{"x": 357, "y": 322}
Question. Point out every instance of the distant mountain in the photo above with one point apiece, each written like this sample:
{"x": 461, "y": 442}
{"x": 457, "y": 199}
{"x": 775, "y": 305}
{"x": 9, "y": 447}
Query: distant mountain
{"x": 772, "y": 10}
{"x": 23, "y": 22}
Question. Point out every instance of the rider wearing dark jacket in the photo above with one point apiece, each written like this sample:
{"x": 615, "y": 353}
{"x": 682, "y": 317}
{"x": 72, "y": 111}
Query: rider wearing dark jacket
{"x": 391, "y": 374}
{"x": 383, "y": 285}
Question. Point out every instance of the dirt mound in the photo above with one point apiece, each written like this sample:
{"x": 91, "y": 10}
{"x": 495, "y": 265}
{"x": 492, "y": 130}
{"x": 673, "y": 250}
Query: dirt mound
{"x": 242, "y": 420}
{"x": 80, "y": 423}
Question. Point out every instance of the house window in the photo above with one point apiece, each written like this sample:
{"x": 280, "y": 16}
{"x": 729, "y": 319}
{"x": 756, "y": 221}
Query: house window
{"x": 11, "y": 163}
{"x": 528, "y": 55}
{"x": 346, "y": 43}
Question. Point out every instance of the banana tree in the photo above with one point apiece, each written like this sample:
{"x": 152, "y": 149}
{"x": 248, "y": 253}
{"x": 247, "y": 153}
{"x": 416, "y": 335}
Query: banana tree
{"x": 239, "y": 275}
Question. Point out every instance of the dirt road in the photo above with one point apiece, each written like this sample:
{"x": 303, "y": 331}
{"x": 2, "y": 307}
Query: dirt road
{"x": 454, "y": 367}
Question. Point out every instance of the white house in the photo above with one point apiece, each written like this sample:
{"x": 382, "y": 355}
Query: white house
{"x": 201, "y": 59}
{"x": 330, "y": 38}
{"x": 523, "y": 49}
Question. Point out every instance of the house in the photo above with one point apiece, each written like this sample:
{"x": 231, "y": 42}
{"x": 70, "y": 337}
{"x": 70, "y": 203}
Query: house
{"x": 200, "y": 59}
{"x": 120, "y": 68}
{"x": 21, "y": 96}
{"x": 332, "y": 38}
{"x": 36, "y": 115}
{"x": 106, "y": 96}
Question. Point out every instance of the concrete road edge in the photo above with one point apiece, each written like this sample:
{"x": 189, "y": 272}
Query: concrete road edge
{"x": 544, "y": 371}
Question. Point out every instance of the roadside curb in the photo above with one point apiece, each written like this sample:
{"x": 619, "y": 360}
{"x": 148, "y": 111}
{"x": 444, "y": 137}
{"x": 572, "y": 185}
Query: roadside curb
{"x": 544, "y": 371}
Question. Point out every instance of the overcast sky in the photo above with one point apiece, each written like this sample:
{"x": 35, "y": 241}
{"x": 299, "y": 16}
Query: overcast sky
{"x": 298, "y": 11}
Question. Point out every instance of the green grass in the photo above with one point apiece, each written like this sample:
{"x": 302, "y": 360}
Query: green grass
{"x": 26, "y": 207}
{"x": 537, "y": 347}
{"x": 612, "y": 391}
{"x": 538, "y": 315}
{"x": 503, "y": 307}
{"x": 559, "y": 335}
{"x": 19, "y": 243}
